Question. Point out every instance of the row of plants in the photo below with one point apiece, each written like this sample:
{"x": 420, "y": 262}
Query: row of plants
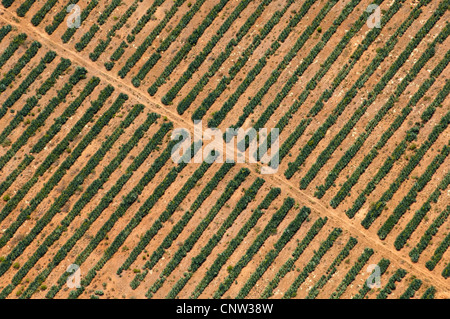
{"x": 289, "y": 265}
{"x": 220, "y": 115}
{"x": 223, "y": 257}
{"x": 149, "y": 15}
{"x": 68, "y": 162}
{"x": 343, "y": 254}
{"x": 201, "y": 57}
{"x": 26, "y": 83}
{"x": 312, "y": 264}
{"x": 412, "y": 288}
{"x": 96, "y": 185}
{"x": 193, "y": 39}
{"x": 446, "y": 272}
{"x": 179, "y": 226}
{"x": 12, "y": 48}
{"x": 113, "y": 4}
{"x": 206, "y": 104}
{"x": 377, "y": 208}
{"x": 352, "y": 273}
{"x": 39, "y": 121}
{"x": 50, "y": 159}
{"x": 70, "y": 190}
{"x": 120, "y": 239}
{"x": 172, "y": 36}
{"x": 428, "y": 235}
{"x": 390, "y": 286}
{"x": 86, "y": 38}
{"x": 325, "y": 67}
{"x": 429, "y": 293}
{"x": 64, "y": 117}
{"x": 343, "y": 133}
{"x": 7, "y": 3}
{"x": 299, "y": 71}
{"x": 125, "y": 203}
{"x": 24, "y": 7}
{"x": 344, "y": 191}
{"x": 205, "y": 252}
{"x": 382, "y": 54}
{"x": 259, "y": 241}
{"x": 11, "y": 75}
{"x": 438, "y": 253}
{"x": 103, "y": 44}
{"x": 271, "y": 109}
{"x": 411, "y": 197}
{"x": 224, "y": 55}
{"x": 4, "y": 31}
{"x": 420, "y": 214}
{"x": 171, "y": 207}
{"x": 193, "y": 238}
{"x": 42, "y": 12}
{"x": 285, "y": 237}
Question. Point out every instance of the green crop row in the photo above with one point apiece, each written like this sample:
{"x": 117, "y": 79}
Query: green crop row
{"x": 352, "y": 151}
{"x": 137, "y": 55}
{"x": 103, "y": 44}
{"x": 271, "y": 226}
{"x": 78, "y": 75}
{"x": 181, "y": 224}
{"x": 348, "y": 185}
{"x": 420, "y": 214}
{"x": 59, "y": 17}
{"x": 83, "y": 16}
{"x": 168, "y": 212}
{"x": 24, "y": 7}
{"x": 411, "y": 197}
{"x": 10, "y": 76}
{"x": 352, "y": 273}
{"x": 390, "y": 286}
{"x": 312, "y": 264}
{"x": 22, "y": 89}
{"x": 206, "y": 250}
{"x": 377, "y": 208}
{"x": 192, "y": 41}
{"x": 125, "y": 203}
{"x": 251, "y": 75}
{"x": 382, "y": 54}
{"x": 345, "y": 252}
{"x": 219, "y": 116}
{"x": 70, "y": 191}
{"x": 202, "y": 226}
{"x": 289, "y": 264}
{"x": 200, "y": 58}
{"x": 222, "y": 258}
{"x": 287, "y": 235}
{"x": 66, "y": 164}
{"x": 86, "y": 38}
{"x": 42, "y": 12}
{"x": 411, "y": 290}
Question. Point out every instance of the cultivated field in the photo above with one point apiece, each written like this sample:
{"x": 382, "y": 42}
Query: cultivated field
{"x": 87, "y": 178}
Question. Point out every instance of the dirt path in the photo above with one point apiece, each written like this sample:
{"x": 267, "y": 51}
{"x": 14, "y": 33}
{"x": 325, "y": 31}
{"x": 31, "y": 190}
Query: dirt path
{"x": 276, "y": 180}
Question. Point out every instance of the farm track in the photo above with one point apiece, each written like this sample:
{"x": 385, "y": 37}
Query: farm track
{"x": 354, "y": 228}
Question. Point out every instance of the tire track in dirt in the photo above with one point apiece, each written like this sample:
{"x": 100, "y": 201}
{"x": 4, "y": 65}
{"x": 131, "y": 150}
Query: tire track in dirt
{"x": 275, "y": 180}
